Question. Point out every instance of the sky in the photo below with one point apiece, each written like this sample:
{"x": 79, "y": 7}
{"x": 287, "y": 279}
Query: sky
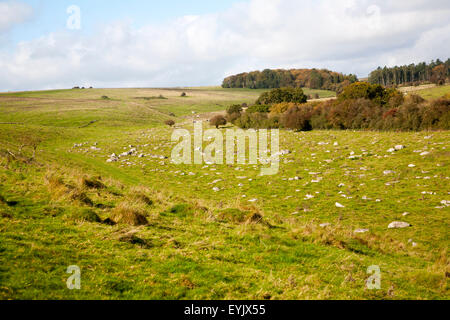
{"x": 47, "y": 44}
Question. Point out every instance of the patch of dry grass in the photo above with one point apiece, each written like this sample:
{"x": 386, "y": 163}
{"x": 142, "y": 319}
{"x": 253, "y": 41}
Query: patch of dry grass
{"x": 129, "y": 214}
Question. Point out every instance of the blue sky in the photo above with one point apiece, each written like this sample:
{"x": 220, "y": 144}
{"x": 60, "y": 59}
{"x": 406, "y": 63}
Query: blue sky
{"x": 50, "y": 15}
{"x": 139, "y": 43}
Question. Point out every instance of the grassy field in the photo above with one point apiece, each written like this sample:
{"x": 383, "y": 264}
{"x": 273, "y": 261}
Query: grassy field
{"x": 428, "y": 91}
{"x": 212, "y": 231}
{"x": 322, "y": 93}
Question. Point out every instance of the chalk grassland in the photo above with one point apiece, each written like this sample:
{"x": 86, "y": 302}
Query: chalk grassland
{"x": 274, "y": 237}
{"x": 430, "y": 91}
{"x": 322, "y": 93}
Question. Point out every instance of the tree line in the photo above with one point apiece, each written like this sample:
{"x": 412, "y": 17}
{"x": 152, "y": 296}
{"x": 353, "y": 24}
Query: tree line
{"x": 437, "y": 72}
{"x": 296, "y": 78}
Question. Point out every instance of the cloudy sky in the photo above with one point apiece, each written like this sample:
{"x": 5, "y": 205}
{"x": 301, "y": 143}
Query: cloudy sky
{"x": 48, "y": 44}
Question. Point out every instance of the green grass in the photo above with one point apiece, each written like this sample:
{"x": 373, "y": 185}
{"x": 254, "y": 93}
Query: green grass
{"x": 201, "y": 244}
{"x": 434, "y": 93}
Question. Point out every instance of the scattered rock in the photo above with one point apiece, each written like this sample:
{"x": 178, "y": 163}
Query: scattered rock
{"x": 399, "y": 225}
{"x": 361, "y": 230}
{"x": 338, "y": 205}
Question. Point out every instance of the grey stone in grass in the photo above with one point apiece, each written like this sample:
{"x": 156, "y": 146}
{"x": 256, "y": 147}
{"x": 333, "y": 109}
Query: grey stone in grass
{"x": 399, "y": 225}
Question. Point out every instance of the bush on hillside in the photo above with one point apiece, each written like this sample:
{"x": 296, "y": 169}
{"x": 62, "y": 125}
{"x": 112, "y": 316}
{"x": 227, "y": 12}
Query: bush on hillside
{"x": 236, "y": 108}
{"x": 169, "y": 123}
{"x": 281, "y": 108}
{"x": 373, "y": 92}
{"x": 280, "y": 95}
{"x": 259, "y": 108}
{"x": 218, "y": 121}
{"x": 360, "y": 106}
{"x": 298, "y": 118}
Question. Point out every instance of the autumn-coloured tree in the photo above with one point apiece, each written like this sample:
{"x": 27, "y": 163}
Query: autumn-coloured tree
{"x": 439, "y": 75}
{"x": 280, "y": 95}
{"x": 297, "y": 78}
{"x": 280, "y": 108}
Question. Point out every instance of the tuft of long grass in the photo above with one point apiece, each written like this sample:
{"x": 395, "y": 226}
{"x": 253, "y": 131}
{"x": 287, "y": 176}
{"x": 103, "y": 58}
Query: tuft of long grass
{"x": 129, "y": 214}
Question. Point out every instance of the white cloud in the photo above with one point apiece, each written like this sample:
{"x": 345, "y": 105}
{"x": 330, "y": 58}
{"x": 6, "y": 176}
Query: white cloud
{"x": 13, "y": 13}
{"x": 349, "y": 36}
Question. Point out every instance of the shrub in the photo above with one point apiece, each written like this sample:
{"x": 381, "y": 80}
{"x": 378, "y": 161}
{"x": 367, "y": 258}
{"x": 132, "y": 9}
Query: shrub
{"x": 259, "y": 108}
{"x": 298, "y": 118}
{"x": 319, "y": 115}
{"x": 253, "y": 120}
{"x": 395, "y": 98}
{"x": 280, "y": 95}
{"x": 280, "y": 108}
{"x": 170, "y": 123}
{"x": 353, "y": 114}
{"x": 364, "y": 90}
{"x": 436, "y": 115}
{"x": 236, "y": 108}
{"x": 409, "y": 117}
{"x": 273, "y": 122}
{"x": 231, "y": 118}
{"x": 218, "y": 121}
{"x": 183, "y": 94}
{"x": 414, "y": 99}
{"x": 409, "y": 114}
